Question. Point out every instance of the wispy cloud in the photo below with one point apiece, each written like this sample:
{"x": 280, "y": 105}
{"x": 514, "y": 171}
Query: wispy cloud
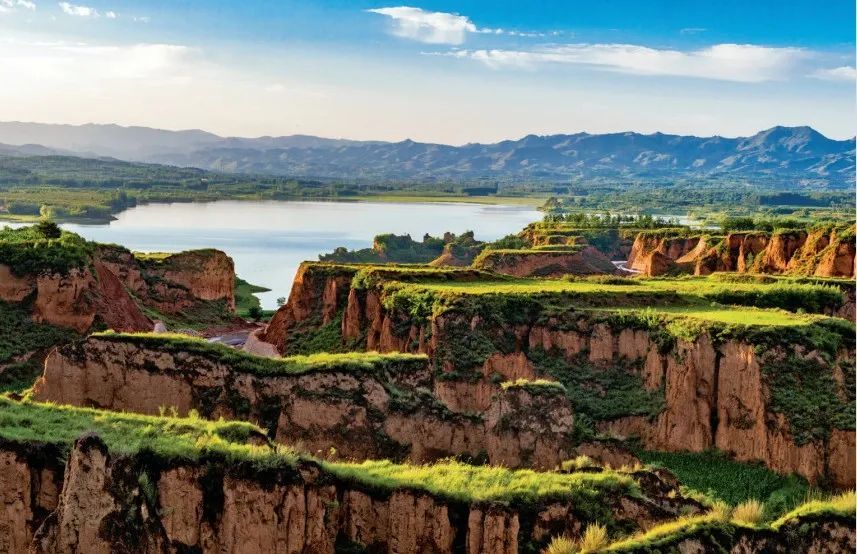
{"x": 692, "y": 30}
{"x": 7, "y": 6}
{"x": 728, "y": 62}
{"x": 111, "y": 15}
{"x": 845, "y": 73}
{"x": 430, "y": 27}
{"x": 441, "y": 27}
{"x": 77, "y": 10}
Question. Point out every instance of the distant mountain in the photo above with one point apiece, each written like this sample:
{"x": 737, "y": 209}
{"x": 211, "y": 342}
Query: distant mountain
{"x": 791, "y": 154}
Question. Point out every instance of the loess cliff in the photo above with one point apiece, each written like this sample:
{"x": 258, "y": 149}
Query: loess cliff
{"x": 676, "y": 384}
{"x": 218, "y": 487}
{"x": 69, "y": 282}
{"x": 359, "y": 406}
{"x": 821, "y": 252}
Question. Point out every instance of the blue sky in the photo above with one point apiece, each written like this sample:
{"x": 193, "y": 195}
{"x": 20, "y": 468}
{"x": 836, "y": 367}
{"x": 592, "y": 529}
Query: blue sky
{"x": 451, "y": 72}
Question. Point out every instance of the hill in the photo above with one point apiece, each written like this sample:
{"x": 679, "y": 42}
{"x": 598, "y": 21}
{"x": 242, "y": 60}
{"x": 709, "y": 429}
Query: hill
{"x": 798, "y": 155}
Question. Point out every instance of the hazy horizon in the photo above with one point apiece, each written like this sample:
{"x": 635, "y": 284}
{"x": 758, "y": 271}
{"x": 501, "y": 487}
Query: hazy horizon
{"x": 434, "y": 71}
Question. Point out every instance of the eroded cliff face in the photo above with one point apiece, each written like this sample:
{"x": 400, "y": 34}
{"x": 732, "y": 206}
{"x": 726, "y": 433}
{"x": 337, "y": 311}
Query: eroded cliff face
{"x": 176, "y": 282}
{"x": 820, "y": 253}
{"x": 376, "y": 413}
{"x": 585, "y": 261}
{"x": 77, "y": 299}
{"x": 98, "y": 502}
{"x": 714, "y": 391}
{"x": 208, "y": 507}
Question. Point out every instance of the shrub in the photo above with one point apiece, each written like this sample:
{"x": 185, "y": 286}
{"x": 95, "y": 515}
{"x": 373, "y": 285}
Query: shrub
{"x": 750, "y": 512}
{"x": 594, "y": 538}
{"x": 561, "y": 545}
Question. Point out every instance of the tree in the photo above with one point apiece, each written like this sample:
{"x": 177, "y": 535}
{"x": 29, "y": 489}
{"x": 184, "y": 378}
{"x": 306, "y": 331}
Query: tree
{"x": 255, "y": 313}
{"x": 281, "y": 300}
{"x": 49, "y": 229}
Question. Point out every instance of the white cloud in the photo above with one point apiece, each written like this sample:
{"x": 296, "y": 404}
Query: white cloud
{"x": 728, "y": 62}
{"x": 844, "y": 73}
{"x": 7, "y": 6}
{"x": 79, "y": 11}
{"x": 442, "y": 27}
{"x": 429, "y": 27}
{"x": 110, "y": 15}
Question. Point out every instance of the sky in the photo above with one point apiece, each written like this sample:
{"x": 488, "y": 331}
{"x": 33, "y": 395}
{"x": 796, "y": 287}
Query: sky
{"x": 434, "y": 71}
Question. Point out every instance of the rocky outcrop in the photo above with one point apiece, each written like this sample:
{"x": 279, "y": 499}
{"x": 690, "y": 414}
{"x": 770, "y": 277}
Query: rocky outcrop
{"x": 381, "y": 409}
{"x": 715, "y": 394}
{"x": 77, "y": 299}
{"x": 824, "y": 252}
{"x": 104, "y": 507}
{"x": 173, "y": 283}
{"x": 546, "y": 263}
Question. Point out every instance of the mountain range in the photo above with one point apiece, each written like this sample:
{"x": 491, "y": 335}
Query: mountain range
{"x": 789, "y": 154}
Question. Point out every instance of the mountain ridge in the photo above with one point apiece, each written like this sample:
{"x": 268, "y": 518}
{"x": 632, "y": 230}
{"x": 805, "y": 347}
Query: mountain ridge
{"x": 799, "y": 154}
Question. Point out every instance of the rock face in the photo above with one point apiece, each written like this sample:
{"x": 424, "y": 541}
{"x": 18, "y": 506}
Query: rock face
{"x": 103, "y": 507}
{"x": 176, "y": 282}
{"x": 820, "y": 253}
{"x": 385, "y": 411}
{"x": 715, "y": 392}
{"x": 546, "y": 263}
{"x": 77, "y": 299}
{"x": 101, "y": 292}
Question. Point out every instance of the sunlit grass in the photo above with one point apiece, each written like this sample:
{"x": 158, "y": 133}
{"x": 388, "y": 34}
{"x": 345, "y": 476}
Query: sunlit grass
{"x": 468, "y": 483}
{"x": 242, "y": 361}
{"x": 842, "y": 505}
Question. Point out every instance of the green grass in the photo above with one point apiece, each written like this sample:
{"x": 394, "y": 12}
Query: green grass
{"x": 245, "y": 299}
{"x": 28, "y": 252}
{"x": 21, "y": 337}
{"x": 731, "y": 315}
{"x": 717, "y": 476}
{"x": 468, "y": 483}
{"x": 174, "y": 439}
{"x": 535, "y": 386}
{"x": 840, "y": 505}
{"x": 192, "y": 439}
{"x": 248, "y": 363}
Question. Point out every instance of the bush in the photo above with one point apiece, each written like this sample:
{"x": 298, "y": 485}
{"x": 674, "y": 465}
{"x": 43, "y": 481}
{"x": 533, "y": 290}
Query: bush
{"x": 750, "y": 512}
{"x": 49, "y": 229}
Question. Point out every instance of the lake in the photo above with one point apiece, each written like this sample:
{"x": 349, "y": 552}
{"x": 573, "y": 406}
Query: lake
{"x": 269, "y": 239}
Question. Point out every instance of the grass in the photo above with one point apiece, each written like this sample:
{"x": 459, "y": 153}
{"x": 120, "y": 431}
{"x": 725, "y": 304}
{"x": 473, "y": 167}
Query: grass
{"x": 192, "y": 439}
{"x": 245, "y": 298}
{"x": 782, "y": 293}
{"x": 750, "y": 512}
{"x": 257, "y": 365}
{"x": 174, "y": 439}
{"x": 732, "y": 315}
{"x": 535, "y": 386}
{"x": 468, "y": 483}
{"x": 717, "y": 476}
{"x": 28, "y": 252}
{"x": 842, "y": 504}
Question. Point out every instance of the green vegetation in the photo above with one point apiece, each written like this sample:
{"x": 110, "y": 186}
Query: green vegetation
{"x": 21, "y": 342}
{"x": 192, "y": 439}
{"x": 241, "y": 361}
{"x": 839, "y": 505}
{"x": 599, "y": 393}
{"x": 534, "y": 386}
{"x": 468, "y": 483}
{"x": 27, "y": 251}
{"x": 245, "y": 299}
{"x": 171, "y": 438}
{"x": 721, "y": 478}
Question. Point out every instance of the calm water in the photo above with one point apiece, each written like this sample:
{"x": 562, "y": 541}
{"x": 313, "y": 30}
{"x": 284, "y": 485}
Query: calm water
{"x": 268, "y": 240}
